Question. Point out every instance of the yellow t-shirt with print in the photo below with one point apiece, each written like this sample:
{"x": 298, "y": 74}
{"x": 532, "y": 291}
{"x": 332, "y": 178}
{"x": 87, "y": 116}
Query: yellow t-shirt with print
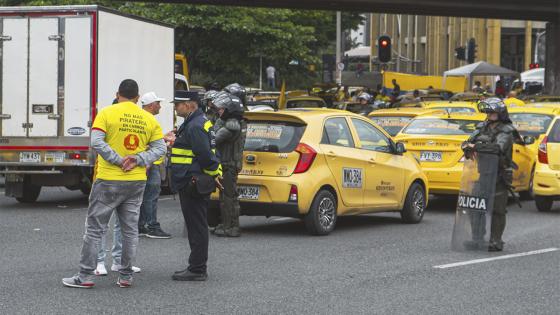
{"x": 128, "y": 130}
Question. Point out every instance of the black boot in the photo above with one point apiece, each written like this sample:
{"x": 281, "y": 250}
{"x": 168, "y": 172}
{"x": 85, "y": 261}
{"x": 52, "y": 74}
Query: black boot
{"x": 189, "y": 276}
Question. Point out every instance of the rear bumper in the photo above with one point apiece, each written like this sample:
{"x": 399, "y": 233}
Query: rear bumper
{"x": 255, "y": 208}
{"x": 546, "y": 181}
{"x": 444, "y": 181}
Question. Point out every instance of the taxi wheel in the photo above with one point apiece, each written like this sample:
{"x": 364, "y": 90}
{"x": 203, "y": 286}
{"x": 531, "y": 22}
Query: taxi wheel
{"x": 544, "y": 203}
{"x": 414, "y": 205}
{"x": 321, "y": 218}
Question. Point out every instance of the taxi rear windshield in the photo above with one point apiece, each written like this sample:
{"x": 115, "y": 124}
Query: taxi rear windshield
{"x": 391, "y": 124}
{"x": 278, "y": 137}
{"x": 437, "y": 126}
{"x": 304, "y": 104}
{"x": 532, "y": 125}
{"x": 456, "y": 109}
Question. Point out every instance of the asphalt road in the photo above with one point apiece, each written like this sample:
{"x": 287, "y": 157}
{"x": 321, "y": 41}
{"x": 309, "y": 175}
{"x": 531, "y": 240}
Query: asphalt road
{"x": 368, "y": 265}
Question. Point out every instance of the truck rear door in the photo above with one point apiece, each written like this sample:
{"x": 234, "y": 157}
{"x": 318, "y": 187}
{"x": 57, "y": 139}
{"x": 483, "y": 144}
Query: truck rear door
{"x": 30, "y": 77}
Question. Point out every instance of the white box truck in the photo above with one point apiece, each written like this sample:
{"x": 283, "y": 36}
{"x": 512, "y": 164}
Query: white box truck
{"x": 59, "y": 66}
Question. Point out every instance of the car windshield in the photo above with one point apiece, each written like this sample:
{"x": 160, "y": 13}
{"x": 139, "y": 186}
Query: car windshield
{"x": 268, "y": 136}
{"x": 456, "y": 109}
{"x": 391, "y": 124}
{"x": 529, "y": 124}
{"x": 304, "y": 104}
{"x": 439, "y": 126}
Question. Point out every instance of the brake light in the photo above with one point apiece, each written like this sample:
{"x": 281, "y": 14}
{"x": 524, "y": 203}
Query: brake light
{"x": 74, "y": 156}
{"x": 306, "y": 157}
{"x": 293, "y": 194}
{"x": 543, "y": 155}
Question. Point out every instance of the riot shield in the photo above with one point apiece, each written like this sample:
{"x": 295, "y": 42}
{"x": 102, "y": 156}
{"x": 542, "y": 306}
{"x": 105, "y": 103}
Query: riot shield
{"x": 475, "y": 203}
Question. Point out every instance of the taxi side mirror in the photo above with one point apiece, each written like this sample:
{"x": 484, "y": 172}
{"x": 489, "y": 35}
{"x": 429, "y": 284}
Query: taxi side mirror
{"x": 399, "y": 148}
{"x": 528, "y": 140}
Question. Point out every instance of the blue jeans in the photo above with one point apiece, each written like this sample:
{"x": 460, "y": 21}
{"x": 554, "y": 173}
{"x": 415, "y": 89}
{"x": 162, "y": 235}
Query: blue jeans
{"x": 148, "y": 210}
{"x": 271, "y": 83}
{"x": 116, "y": 252}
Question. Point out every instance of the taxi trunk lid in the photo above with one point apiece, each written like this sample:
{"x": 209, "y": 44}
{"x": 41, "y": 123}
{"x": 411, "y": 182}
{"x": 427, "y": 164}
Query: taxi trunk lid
{"x": 439, "y": 151}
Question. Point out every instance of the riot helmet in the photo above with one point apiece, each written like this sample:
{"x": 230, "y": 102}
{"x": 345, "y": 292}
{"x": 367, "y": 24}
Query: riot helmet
{"x": 494, "y": 105}
{"x": 237, "y": 90}
{"x": 230, "y": 103}
{"x": 208, "y": 97}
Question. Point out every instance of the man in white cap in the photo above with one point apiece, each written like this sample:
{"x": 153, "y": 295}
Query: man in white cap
{"x": 150, "y": 102}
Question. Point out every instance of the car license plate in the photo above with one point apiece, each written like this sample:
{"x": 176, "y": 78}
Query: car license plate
{"x": 248, "y": 192}
{"x": 30, "y": 157}
{"x": 54, "y": 157}
{"x": 427, "y": 156}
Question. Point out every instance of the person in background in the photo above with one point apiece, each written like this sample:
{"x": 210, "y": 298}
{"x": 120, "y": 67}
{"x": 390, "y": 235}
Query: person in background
{"x": 500, "y": 90}
{"x": 148, "y": 211}
{"x": 477, "y": 88}
{"x": 271, "y": 77}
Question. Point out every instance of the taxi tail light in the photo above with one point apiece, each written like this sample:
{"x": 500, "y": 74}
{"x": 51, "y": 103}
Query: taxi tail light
{"x": 74, "y": 156}
{"x": 543, "y": 155}
{"x": 306, "y": 157}
{"x": 293, "y": 194}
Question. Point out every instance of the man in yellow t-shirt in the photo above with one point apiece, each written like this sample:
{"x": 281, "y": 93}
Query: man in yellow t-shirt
{"x": 513, "y": 100}
{"x": 126, "y": 139}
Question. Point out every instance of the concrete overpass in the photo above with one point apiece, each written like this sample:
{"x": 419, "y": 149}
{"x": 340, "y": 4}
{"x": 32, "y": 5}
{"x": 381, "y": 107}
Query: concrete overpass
{"x": 535, "y": 10}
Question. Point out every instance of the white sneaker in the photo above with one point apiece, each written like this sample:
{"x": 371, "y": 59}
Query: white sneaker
{"x": 116, "y": 268}
{"x": 100, "y": 270}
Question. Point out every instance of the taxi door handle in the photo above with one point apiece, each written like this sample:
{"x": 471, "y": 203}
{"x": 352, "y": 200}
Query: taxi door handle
{"x": 372, "y": 161}
{"x": 331, "y": 154}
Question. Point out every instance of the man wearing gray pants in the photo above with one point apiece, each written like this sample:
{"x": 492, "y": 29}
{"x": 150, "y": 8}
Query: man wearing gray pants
{"x": 127, "y": 139}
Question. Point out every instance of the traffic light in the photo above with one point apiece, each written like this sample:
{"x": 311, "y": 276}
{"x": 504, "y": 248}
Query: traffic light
{"x": 384, "y": 48}
{"x": 460, "y": 53}
{"x": 471, "y": 50}
{"x": 534, "y": 66}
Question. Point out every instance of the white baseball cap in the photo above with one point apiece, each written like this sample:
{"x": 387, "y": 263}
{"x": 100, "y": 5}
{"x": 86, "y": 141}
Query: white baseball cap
{"x": 149, "y": 98}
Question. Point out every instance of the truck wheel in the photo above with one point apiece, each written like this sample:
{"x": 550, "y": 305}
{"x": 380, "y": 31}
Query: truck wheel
{"x": 30, "y": 193}
{"x": 544, "y": 203}
{"x": 321, "y": 218}
{"x": 414, "y": 205}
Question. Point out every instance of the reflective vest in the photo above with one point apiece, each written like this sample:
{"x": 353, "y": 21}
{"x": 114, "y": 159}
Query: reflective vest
{"x": 194, "y": 151}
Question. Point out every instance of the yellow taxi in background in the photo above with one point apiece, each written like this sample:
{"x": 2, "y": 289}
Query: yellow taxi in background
{"x": 547, "y": 172}
{"x": 394, "y": 119}
{"x": 453, "y": 106}
{"x": 436, "y": 141}
{"x": 318, "y": 164}
{"x": 532, "y": 121}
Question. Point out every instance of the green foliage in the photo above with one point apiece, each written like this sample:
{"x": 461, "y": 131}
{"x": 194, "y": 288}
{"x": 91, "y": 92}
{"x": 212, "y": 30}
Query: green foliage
{"x": 224, "y": 44}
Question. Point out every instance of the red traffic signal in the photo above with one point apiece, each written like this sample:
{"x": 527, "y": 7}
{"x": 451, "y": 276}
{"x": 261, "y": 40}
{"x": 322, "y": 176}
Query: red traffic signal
{"x": 384, "y": 48}
{"x": 534, "y": 66}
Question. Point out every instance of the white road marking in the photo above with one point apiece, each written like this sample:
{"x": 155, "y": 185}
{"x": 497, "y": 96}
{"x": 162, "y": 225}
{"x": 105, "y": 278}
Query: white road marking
{"x": 483, "y": 260}
{"x": 166, "y": 198}
{"x": 36, "y": 229}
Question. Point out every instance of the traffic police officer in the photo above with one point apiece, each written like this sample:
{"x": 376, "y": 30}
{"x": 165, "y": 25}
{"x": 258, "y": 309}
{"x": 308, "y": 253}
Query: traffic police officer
{"x": 496, "y": 136}
{"x": 230, "y": 131}
{"x": 192, "y": 156}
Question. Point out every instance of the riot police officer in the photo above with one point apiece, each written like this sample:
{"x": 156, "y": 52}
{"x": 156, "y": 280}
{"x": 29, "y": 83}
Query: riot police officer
{"x": 193, "y": 164}
{"x": 238, "y": 91}
{"x": 494, "y": 136}
{"x": 230, "y": 130}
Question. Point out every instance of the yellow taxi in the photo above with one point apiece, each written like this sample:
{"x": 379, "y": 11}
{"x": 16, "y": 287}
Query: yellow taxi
{"x": 436, "y": 141}
{"x": 547, "y": 172}
{"x": 453, "y": 106}
{"x": 318, "y": 164}
{"x": 305, "y": 101}
{"x": 394, "y": 119}
{"x": 533, "y": 121}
